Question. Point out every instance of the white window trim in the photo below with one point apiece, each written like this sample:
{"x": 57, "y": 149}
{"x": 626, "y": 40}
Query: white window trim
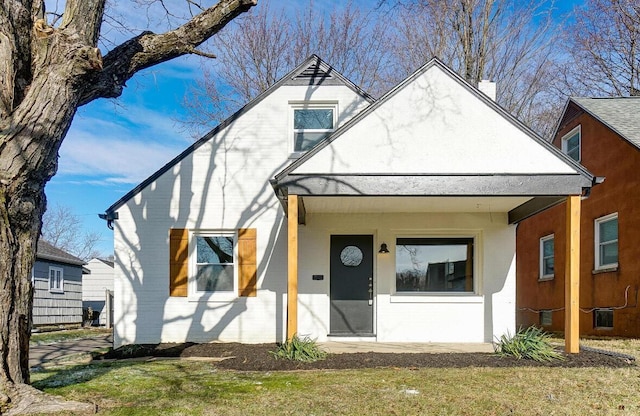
{"x": 596, "y": 240}
{"x": 542, "y": 275}
{"x": 442, "y": 297}
{"x": 193, "y": 293}
{"x": 566, "y": 138}
{"x": 55, "y": 289}
{"x": 302, "y": 105}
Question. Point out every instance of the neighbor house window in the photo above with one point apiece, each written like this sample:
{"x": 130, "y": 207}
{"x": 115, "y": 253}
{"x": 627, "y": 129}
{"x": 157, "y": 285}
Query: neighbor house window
{"x": 312, "y": 123}
{"x": 546, "y": 318}
{"x": 571, "y": 144}
{"x": 606, "y": 242}
{"x": 546, "y": 258}
{"x": 214, "y": 266}
{"x": 56, "y": 279}
{"x": 434, "y": 265}
{"x": 603, "y": 318}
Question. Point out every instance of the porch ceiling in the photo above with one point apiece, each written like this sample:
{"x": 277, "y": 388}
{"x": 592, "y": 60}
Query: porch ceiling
{"x": 377, "y": 204}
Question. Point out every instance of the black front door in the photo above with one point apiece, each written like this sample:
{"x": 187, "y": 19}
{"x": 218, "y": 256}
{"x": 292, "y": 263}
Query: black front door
{"x": 351, "y": 285}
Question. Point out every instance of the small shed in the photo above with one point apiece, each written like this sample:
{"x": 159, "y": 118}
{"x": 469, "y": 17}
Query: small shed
{"x": 57, "y": 283}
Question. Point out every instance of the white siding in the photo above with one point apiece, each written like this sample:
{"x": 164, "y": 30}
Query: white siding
{"x": 99, "y": 280}
{"x": 222, "y": 185}
{"x": 422, "y": 318}
{"x": 94, "y": 287}
{"x": 434, "y": 125}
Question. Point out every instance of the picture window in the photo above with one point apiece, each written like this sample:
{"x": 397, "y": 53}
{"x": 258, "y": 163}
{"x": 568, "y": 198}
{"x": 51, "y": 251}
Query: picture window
{"x": 434, "y": 265}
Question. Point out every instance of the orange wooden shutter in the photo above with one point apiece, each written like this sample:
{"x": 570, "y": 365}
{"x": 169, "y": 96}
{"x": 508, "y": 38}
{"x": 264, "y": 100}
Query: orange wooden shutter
{"x": 247, "y": 279}
{"x": 178, "y": 261}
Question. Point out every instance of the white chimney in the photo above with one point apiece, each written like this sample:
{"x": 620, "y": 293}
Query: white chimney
{"x": 488, "y": 88}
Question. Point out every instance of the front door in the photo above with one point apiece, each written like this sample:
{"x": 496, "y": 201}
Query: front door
{"x": 351, "y": 285}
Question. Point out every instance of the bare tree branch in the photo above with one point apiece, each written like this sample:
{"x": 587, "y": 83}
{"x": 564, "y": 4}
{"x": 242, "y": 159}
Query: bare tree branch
{"x": 262, "y": 46}
{"x": 149, "y": 49}
{"x": 506, "y": 41}
{"x": 603, "y": 46}
{"x": 62, "y": 228}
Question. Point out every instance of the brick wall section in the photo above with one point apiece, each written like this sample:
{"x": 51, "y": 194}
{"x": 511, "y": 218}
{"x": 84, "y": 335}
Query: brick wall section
{"x": 604, "y": 153}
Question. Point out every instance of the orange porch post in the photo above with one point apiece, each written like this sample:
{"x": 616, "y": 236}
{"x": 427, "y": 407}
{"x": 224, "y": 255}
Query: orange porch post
{"x": 292, "y": 267}
{"x": 572, "y": 277}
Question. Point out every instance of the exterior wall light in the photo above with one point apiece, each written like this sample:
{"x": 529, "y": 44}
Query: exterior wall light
{"x": 383, "y": 248}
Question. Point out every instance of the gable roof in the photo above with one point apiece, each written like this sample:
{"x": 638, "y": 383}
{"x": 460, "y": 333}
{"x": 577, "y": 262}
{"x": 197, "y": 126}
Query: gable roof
{"x": 107, "y": 262}
{"x": 46, "y": 251}
{"x": 568, "y": 177}
{"x": 313, "y": 71}
{"x": 620, "y": 114}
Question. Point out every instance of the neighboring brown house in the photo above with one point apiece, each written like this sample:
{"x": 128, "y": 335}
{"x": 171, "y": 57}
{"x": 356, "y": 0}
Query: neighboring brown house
{"x": 603, "y": 134}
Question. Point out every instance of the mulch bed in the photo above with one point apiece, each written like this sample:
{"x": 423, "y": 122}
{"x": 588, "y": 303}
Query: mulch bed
{"x": 258, "y": 357}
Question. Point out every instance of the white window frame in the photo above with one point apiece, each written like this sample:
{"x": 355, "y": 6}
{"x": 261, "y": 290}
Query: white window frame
{"x": 543, "y": 275}
{"x": 309, "y": 105}
{"x": 402, "y": 296}
{"x": 597, "y": 242}
{"x": 56, "y": 288}
{"x": 565, "y": 141}
{"x": 222, "y": 296}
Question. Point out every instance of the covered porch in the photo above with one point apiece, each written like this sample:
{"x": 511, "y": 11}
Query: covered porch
{"x": 483, "y": 312}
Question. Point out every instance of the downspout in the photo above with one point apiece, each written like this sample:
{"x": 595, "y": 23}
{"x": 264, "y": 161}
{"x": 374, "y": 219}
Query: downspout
{"x": 109, "y": 217}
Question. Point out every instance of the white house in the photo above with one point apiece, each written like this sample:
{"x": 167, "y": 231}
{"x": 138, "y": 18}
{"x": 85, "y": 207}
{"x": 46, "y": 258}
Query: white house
{"x": 319, "y": 211}
{"x": 97, "y": 289}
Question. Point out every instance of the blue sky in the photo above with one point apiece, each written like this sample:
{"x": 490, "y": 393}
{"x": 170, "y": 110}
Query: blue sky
{"x": 113, "y": 145}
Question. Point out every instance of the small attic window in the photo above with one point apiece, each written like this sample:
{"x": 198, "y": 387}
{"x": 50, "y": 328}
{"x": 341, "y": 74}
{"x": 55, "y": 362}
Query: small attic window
{"x": 571, "y": 144}
{"x": 312, "y": 123}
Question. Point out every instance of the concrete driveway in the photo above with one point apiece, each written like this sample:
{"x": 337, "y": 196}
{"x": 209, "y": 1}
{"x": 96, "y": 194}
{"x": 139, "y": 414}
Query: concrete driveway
{"x": 41, "y": 354}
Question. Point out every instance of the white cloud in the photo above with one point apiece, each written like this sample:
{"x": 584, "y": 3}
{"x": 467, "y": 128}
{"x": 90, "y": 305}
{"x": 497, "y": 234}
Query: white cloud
{"x": 121, "y": 147}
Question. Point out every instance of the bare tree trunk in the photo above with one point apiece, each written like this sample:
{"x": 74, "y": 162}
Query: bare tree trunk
{"x": 45, "y": 74}
{"x": 29, "y": 143}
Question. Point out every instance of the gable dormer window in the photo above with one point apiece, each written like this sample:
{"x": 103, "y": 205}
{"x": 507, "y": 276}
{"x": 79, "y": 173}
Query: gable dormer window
{"x": 312, "y": 122}
{"x": 571, "y": 144}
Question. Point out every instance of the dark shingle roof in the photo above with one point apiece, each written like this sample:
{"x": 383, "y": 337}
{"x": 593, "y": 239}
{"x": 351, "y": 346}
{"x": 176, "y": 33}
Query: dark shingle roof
{"x": 46, "y": 251}
{"x": 620, "y": 114}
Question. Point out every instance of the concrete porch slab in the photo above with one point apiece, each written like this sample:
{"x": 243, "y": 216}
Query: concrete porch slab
{"x": 339, "y": 347}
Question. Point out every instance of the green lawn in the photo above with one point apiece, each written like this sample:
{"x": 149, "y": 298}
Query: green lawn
{"x": 199, "y": 388}
{"x": 52, "y": 337}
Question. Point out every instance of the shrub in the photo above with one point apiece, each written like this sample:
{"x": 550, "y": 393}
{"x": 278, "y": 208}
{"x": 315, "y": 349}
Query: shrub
{"x": 531, "y": 343}
{"x": 297, "y": 349}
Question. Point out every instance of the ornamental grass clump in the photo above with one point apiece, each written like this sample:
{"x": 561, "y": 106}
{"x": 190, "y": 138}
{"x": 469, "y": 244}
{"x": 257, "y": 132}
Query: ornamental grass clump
{"x": 296, "y": 349}
{"x": 531, "y": 343}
